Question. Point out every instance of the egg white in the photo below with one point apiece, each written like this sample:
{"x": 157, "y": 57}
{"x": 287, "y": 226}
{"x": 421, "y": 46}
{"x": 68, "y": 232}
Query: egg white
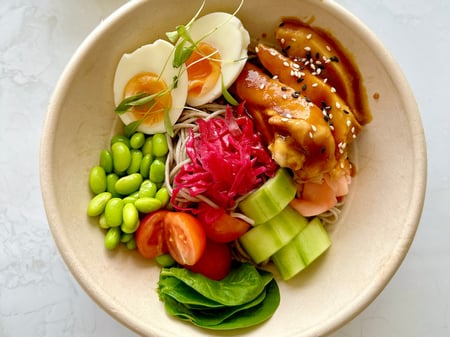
{"x": 156, "y": 58}
{"x": 226, "y": 33}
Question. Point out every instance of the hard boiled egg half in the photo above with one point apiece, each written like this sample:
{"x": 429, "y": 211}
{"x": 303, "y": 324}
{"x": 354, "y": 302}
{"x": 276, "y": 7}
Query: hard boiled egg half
{"x": 221, "y": 51}
{"x": 148, "y": 70}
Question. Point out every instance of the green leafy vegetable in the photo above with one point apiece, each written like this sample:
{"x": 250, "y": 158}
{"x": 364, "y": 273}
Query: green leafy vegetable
{"x": 240, "y": 286}
{"x": 228, "y": 97}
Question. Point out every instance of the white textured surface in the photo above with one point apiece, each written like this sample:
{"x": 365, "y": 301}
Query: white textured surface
{"x": 39, "y": 297}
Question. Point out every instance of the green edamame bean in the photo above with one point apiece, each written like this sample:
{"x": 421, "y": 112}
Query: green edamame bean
{"x": 137, "y": 140}
{"x": 147, "y": 189}
{"x": 113, "y": 212}
{"x": 147, "y": 204}
{"x": 165, "y": 260}
{"x": 163, "y": 195}
{"x": 102, "y": 221}
{"x": 160, "y": 147}
{"x": 147, "y": 148}
{"x": 120, "y": 139}
{"x": 125, "y": 237}
{"x": 157, "y": 171}
{"x": 121, "y": 157}
{"x": 131, "y": 245}
{"x": 106, "y": 160}
{"x": 128, "y": 184}
{"x": 112, "y": 238}
{"x": 111, "y": 180}
{"x": 98, "y": 203}
{"x": 130, "y": 218}
{"x": 135, "y": 164}
{"x": 129, "y": 199}
{"x": 145, "y": 165}
{"x": 97, "y": 180}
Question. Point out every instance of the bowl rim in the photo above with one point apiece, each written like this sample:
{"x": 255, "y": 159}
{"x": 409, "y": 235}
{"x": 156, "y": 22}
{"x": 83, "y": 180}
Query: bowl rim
{"x": 360, "y": 302}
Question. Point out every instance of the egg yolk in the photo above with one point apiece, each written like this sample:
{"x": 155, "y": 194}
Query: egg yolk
{"x": 149, "y": 83}
{"x": 203, "y": 67}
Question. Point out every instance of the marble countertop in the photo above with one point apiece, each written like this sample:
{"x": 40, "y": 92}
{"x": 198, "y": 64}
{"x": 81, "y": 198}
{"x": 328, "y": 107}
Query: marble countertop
{"x": 38, "y": 295}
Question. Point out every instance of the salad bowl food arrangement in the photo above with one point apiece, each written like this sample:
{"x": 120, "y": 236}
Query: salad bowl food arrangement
{"x": 233, "y": 168}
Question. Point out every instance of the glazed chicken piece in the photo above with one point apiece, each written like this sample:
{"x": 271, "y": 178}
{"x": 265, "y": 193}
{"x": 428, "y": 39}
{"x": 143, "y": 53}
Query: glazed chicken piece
{"x": 343, "y": 124}
{"x": 319, "y": 54}
{"x": 295, "y": 130}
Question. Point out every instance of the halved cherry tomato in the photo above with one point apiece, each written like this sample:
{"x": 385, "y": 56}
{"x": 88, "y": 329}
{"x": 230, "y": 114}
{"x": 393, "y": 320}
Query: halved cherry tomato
{"x": 150, "y": 239}
{"x": 215, "y": 262}
{"x": 219, "y": 225}
{"x": 185, "y": 237}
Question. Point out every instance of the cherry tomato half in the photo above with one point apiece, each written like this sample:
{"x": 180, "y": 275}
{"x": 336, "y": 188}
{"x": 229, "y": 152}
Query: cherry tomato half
{"x": 150, "y": 239}
{"x": 215, "y": 262}
{"x": 219, "y": 225}
{"x": 185, "y": 237}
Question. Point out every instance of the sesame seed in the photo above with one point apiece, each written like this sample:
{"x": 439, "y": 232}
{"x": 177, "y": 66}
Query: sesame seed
{"x": 328, "y": 48}
{"x": 288, "y": 115}
{"x": 307, "y": 48}
{"x": 273, "y": 52}
{"x": 313, "y": 127}
{"x": 310, "y": 134}
{"x": 349, "y": 122}
{"x": 293, "y": 39}
{"x": 325, "y": 80}
{"x": 331, "y": 127}
{"x": 286, "y": 63}
{"x": 353, "y": 129}
{"x": 309, "y": 36}
{"x": 296, "y": 65}
{"x": 331, "y": 116}
{"x": 333, "y": 89}
{"x": 314, "y": 85}
{"x": 318, "y": 71}
{"x": 338, "y": 105}
{"x": 284, "y": 96}
{"x": 256, "y": 49}
{"x": 261, "y": 86}
{"x": 295, "y": 94}
{"x": 354, "y": 136}
{"x": 282, "y": 40}
{"x": 342, "y": 165}
{"x": 313, "y": 66}
{"x": 284, "y": 119}
{"x": 283, "y": 88}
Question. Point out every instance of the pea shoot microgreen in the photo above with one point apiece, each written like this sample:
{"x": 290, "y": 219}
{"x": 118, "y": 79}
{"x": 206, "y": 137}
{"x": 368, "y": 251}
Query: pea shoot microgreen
{"x": 184, "y": 47}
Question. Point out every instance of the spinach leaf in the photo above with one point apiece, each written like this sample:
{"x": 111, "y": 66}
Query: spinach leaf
{"x": 228, "y": 318}
{"x": 242, "y": 285}
{"x": 208, "y": 317}
{"x": 169, "y": 286}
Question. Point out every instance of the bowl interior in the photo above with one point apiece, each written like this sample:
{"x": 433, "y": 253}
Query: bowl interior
{"x": 378, "y": 222}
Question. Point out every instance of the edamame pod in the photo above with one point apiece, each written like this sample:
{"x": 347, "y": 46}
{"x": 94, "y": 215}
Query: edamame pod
{"x": 131, "y": 245}
{"x": 137, "y": 140}
{"x": 147, "y": 148}
{"x": 147, "y": 189}
{"x": 130, "y": 218}
{"x": 113, "y": 212}
{"x": 111, "y": 180}
{"x": 147, "y": 205}
{"x": 106, "y": 160}
{"x": 128, "y": 184}
{"x": 97, "y": 180}
{"x": 146, "y": 161}
{"x": 121, "y": 157}
{"x": 112, "y": 238}
{"x": 98, "y": 203}
{"x": 157, "y": 171}
{"x": 160, "y": 147}
{"x": 135, "y": 163}
{"x": 163, "y": 195}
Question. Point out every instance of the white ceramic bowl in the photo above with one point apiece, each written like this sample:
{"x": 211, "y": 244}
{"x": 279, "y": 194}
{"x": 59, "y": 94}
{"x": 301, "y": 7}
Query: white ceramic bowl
{"x": 379, "y": 219}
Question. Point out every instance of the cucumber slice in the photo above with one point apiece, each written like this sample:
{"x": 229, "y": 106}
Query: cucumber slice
{"x": 307, "y": 246}
{"x": 262, "y": 241}
{"x": 271, "y": 198}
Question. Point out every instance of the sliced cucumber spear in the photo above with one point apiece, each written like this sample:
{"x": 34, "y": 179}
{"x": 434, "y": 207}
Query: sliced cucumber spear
{"x": 262, "y": 241}
{"x": 271, "y": 198}
{"x": 307, "y": 246}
